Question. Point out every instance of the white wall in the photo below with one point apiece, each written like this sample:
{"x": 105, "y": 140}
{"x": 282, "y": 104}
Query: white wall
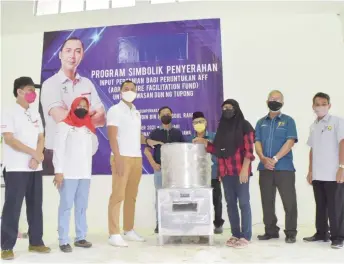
{"x": 299, "y": 54}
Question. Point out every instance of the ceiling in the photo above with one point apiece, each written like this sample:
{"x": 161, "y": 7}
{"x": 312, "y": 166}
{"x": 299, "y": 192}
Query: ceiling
{"x": 24, "y": 10}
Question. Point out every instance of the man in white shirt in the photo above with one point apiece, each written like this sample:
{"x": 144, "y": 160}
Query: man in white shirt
{"x": 22, "y": 130}
{"x": 124, "y": 131}
{"x": 326, "y": 172}
{"x": 60, "y": 90}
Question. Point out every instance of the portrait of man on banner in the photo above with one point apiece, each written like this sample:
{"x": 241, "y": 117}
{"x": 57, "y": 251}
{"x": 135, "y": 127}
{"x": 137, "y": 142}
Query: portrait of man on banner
{"x": 59, "y": 91}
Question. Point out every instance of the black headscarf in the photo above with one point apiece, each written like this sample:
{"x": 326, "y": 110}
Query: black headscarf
{"x": 230, "y": 132}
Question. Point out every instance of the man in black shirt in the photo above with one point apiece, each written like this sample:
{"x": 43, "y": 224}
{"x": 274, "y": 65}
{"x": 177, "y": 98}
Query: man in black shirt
{"x": 166, "y": 134}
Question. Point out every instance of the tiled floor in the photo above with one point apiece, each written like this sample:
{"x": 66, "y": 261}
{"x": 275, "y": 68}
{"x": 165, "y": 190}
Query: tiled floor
{"x": 275, "y": 251}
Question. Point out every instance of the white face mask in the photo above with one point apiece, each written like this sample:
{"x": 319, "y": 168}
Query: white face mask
{"x": 129, "y": 96}
{"x": 321, "y": 111}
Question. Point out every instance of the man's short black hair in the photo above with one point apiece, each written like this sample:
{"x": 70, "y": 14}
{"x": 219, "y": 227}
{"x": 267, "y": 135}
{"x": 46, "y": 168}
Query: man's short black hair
{"x": 21, "y": 82}
{"x": 321, "y": 95}
{"x": 127, "y": 81}
{"x": 72, "y": 38}
{"x": 197, "y": 114}
{"x": 163, "y": 108}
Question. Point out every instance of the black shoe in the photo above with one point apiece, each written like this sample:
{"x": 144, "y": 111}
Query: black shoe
{"x": 337, "y": 244}
{"x": 268, "y": 237}
{"x": 83, "y": 243}
{"x": 218, "y": 230}
{"x": 316, "y": 238}
{"x": 66, "y": 248}
{"x": 156, "y": 230}
{"x": 290, "y": 239}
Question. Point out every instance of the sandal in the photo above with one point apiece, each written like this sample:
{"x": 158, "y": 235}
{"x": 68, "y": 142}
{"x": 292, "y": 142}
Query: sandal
{"x": 241, "y": 243}
{"x": 232, "y": 241}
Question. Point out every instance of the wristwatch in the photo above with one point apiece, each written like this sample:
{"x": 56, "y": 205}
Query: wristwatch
{"x": 275, "y": 158}
{"x": 341, "y": 166}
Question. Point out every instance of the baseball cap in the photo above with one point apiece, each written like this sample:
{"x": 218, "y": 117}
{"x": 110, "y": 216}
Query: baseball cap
{"x": 24, "y": 81}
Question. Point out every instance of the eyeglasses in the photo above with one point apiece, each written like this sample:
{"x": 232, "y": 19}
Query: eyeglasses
{"x": 275, "y": 100}
{"x": 198, "y": 122}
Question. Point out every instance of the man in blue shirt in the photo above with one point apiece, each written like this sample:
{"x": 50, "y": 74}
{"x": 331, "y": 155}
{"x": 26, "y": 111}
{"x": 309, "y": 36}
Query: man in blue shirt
{"x": 275, "y": 136}
{"x": 166, "y": 134}
{"x": 200, "y": 124}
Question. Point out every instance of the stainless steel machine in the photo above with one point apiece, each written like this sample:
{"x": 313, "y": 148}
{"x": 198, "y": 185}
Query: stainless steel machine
{"x": 185, "y": 200}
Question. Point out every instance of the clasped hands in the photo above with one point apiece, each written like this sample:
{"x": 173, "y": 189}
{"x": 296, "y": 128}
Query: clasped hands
{"x": 37, "y": 158}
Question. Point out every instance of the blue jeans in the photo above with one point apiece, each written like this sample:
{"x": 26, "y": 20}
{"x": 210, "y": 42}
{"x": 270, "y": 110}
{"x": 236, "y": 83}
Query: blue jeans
{"x": 73, "y": 192}
{"x": 235, "y": 191}
{"x": 158, "y": 185}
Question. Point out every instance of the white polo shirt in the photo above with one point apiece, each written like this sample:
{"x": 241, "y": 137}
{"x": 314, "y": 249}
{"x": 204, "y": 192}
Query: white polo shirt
{"x": 324, "y": 138}
{"x": 26, "y": 125}
{"x": 60, "y": 91}
{"x": 73, "y": 151}
{"x": 128, "y": 122}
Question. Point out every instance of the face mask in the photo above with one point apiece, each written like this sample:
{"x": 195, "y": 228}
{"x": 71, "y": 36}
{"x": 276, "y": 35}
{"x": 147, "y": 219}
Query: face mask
{"x": 166, "y": 119}
{"x": 129, "y": 96}
{"x": 228, "y": 113}
{"x": 274, "y": 106}
{"x": 30, "y": 97}
{"x": 321, "y": 111}
{"x": 80, "y": 112}
{"x": 199, "y": 128}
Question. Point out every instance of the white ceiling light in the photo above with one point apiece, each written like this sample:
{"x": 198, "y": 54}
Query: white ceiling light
{"x": 162, "y": 1}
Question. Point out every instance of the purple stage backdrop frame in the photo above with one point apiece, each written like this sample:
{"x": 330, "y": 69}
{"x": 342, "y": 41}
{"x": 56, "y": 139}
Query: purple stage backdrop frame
{"x": 177, "y": 64}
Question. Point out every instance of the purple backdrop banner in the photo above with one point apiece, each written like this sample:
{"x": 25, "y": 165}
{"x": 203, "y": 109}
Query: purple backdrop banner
{"x": 176, "y": 64}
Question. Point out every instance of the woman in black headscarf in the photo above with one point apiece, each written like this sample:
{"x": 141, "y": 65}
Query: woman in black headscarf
{"x": 233, "y": 146}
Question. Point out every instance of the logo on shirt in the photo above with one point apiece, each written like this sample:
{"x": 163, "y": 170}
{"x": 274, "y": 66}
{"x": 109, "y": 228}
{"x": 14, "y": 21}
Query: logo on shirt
{"x": 281, "y": 123}
{"x": 329, "y": 128}
{"x": 65, "y": 89}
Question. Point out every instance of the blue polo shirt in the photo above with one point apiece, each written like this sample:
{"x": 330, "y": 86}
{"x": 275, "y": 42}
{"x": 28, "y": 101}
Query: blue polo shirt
{"x": 273, "y": 134}
{"x": 210, "y": 136}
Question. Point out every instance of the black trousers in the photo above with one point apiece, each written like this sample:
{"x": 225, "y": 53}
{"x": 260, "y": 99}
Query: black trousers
{"x": 19, "y": 185}
{"x": 217, "y": 202}
{"x": 284, "y": 181}
{"x": 329, "y": 200}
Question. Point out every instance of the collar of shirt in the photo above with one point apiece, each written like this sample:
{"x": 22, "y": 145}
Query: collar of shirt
{"x": 206, "y": 135}
{"x": 125, "y": 107}
{"x": 325, "y": 119}
{"x": 161, "y": 127}
{"x": 278, "y": 116}
{"x": 65, "y": 79}
{"x": 22, "y": 109}
{"x": 28, "y": 112}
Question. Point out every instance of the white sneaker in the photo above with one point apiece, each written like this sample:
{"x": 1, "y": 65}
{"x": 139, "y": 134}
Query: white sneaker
{"x": 117, "y": 241}
{"x": 133, "y": 236}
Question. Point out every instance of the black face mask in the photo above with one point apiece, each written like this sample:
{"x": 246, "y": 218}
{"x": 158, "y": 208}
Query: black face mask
{"x": 274, "y": 106}
{"x": 166, "y": 119}
{"x": 228, "y": 113}
{"x": 80, "y": 112}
